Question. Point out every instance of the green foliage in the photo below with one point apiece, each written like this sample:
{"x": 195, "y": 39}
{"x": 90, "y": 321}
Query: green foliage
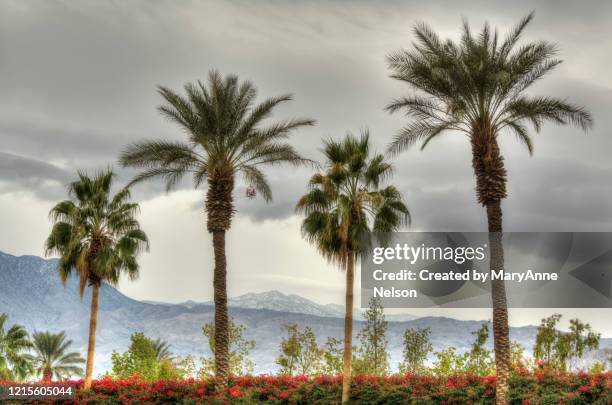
{"x": 479, "y": 360}
{"x": 141, "y": 359}
{"x": 185, "y": 365}
{"x": 558, "y": 348}
{"x": 371, "y": 356}
{"x": 517, "y": 356}
{"x": 417, "y": 347}
{"x": 299, "y": 352}
{"x": 597, "y": 367}
{"x": 580, "y": 338}
{"x": 332, "y": 356}
{"x": 15, "y": 362}
{"x": 240, "y": 348}
{"x": 95, "y": 234}
{"x": 449, "y": 362}
{"x": 546, "y": 339}
{"x": 51, "y": 358}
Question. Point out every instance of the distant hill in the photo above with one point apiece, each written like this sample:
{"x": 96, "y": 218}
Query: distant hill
{"x": 32, "y": 295}
{"x": 275, "y": 300}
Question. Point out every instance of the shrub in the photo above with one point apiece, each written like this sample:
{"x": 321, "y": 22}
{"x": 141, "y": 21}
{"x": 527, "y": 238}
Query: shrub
{"x": 541, "y": 387}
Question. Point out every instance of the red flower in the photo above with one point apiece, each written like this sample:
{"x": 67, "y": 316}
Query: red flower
{"x": 490, "y": 379}
{"x": 234, "y": 391}
{"x": 284, "y": 394}
{"x": 583, "y": 388}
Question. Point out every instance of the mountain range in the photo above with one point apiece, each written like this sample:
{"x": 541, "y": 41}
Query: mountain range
{"x": 33, "y": 296}
{"x": 272, "y": 300}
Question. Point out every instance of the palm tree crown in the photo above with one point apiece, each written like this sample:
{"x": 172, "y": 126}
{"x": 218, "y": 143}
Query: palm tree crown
{"x": 52, "y": 359}
{"x": 15, "y": 363}
{"x": 96, "y": 235}
{"x": 477, "y": 87}
{"x": 345, "y": 202}
{"x": 225, "y": 138}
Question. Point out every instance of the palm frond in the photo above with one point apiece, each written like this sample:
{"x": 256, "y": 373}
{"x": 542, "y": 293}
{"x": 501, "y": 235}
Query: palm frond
{"x": 168, "y": 160}
{"x": 415, "y": 132}
{"x": 515, "y": 34}
{"x": 255, "y": 178}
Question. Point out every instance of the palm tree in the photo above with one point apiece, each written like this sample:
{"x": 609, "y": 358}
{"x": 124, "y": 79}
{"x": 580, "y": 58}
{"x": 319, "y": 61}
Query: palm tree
{"x": 476, "y": 87}
{"x": 97, "y": 237}
{"x": 15, "y": 363}
{"x": 162, "y": 349}
{"x": 343, "y": 204}
{"x": 51, "y": 359}
{"x": 225, "y": 139}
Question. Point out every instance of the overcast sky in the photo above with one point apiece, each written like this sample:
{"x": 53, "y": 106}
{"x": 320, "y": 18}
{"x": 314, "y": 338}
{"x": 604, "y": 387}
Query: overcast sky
{"x": 77, "y": 83}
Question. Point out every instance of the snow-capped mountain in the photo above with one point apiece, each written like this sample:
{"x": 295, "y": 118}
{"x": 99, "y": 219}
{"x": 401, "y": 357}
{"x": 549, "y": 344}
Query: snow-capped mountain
{"x": 277, "y": 301}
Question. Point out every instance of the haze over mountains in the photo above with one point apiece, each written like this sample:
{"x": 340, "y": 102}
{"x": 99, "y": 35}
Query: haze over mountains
{"x": 273, "y": 300}
{"x": 33, "y": 296}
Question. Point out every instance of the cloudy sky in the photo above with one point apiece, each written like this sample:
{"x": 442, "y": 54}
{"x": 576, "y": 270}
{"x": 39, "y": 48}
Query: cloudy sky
{"x": 77, "y": 83}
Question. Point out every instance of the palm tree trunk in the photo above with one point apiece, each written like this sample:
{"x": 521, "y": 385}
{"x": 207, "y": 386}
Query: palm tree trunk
{"x": 221, "y": 316}
{"x": 490, "y": 172}
{"x": 219, "y": 207}
{"x": 91, "y": 343}
{"x": 348, "y": 328}
{"x": 501, "y": 332}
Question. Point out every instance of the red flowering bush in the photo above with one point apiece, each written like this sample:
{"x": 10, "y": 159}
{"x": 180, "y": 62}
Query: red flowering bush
{"x": 541, "y": 387}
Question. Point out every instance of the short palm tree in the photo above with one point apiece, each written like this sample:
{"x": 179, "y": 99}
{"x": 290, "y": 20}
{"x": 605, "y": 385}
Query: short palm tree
{"x": 343, "y": 204}
{"x": 15, "y": 363}
{"x": 162, "y": 349}
{"x": 225, "y": 138}
{"x": 97, "y": 237}
{"x": 477, "y": 87}
{"x": 51, "y": 358}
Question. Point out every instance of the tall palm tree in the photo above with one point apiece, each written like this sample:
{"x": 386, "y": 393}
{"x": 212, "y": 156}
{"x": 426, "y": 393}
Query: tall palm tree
{"x": 477, "y": 87}
{"x": 15, "y": 363}
{"x": 343, "y": 204}
{"x": 97, "y": 237}
{"x": 51, "y": 359}
{"x": 224, "y": 139}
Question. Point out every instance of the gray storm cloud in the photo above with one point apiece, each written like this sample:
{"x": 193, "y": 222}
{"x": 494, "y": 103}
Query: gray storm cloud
{"x": 78, "y": 83}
